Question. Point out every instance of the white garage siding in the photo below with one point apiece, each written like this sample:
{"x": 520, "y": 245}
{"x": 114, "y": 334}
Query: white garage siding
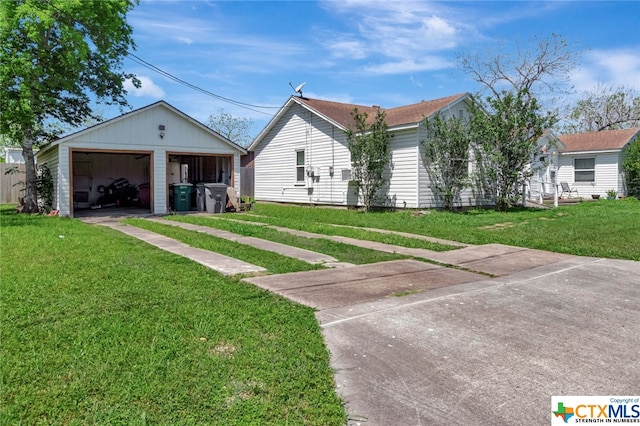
{"x": 64, "y": 167}
{"x": 607, "y": 173}
{"x": 140, "y": 132}
{"x": 50, "y": 158}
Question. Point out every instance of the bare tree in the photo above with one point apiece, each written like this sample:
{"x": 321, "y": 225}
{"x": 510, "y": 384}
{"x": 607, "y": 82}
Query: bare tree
{"x": 236, "y": 129}
{"x": 604, "y": 108}
{"x": 543, "y": 69}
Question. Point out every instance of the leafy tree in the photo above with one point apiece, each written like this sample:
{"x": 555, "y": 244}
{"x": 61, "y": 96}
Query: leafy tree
{"x": 506, "y": 143}
{"x": 509, "y": 121}
{"x": 631, "y": 167}
{"x": 605, "y": 108}
{"x": 236, "y": 129}
{"x": 54, "y": 55}
{"x": 446, "y": 156}
{"x": 370, "y": 156}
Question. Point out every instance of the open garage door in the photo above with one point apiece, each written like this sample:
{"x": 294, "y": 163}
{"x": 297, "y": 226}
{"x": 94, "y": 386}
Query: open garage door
{"x": 196, "y": 170}
{"x": 111, "y": 180}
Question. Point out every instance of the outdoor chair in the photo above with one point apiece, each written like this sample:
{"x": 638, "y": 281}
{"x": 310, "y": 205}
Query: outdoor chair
{"x": 568, "y": 190}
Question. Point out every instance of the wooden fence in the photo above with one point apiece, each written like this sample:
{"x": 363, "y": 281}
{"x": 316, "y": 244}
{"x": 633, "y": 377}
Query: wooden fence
{"x": 246, "y": 181}
{"x": 11, "y": 184}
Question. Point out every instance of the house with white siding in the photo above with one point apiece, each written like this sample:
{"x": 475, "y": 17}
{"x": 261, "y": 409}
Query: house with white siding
{"x": 151, "y": 148}
{"x": 592, "y": 162}
{"x": 302, "y": 155}
{"x": 13, "y": 155}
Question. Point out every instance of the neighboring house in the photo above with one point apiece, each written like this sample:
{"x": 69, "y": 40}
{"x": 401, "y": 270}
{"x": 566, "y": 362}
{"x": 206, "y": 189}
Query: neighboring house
{"x": 151, "y": 147}
{"x": 302, "y": 155}
{"x": 592, "y": 162}
{"x": 13, "y": 156}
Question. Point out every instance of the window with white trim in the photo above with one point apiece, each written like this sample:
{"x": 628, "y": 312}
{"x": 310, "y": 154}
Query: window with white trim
{"x": 584, "y": 170}
{"x": 300, "y": 166}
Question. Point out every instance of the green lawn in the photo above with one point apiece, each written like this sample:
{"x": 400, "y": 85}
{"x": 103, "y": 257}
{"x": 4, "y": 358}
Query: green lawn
{"x": 98, "y": 328}
{"x": 600, "y": 229}
{"x": 342, "y": 252}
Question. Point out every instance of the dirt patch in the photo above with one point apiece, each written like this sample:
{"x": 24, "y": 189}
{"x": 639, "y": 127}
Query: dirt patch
{"x": 222, "y": 349}
{"x": 498, "y": 226}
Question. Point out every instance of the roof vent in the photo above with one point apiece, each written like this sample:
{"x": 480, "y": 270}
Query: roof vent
{"x": 375, "y": 106}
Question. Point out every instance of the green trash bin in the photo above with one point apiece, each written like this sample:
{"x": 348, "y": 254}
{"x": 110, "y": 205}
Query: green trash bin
{"x": 182, "y": 197}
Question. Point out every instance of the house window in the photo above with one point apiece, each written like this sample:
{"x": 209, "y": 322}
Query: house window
{"x": 300, "y": 166}
{"x": 584, "y": 170}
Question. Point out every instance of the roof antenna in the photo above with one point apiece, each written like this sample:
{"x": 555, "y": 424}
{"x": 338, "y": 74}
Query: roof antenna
{"x": 298, "y": 88}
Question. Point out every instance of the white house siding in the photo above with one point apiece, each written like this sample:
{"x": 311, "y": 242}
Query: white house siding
{"x": 426, "y": 198}
{"x": 606, "y": 173}
{"x": 275, "y": 165}
{"x": 13, "y": 156}
{"x": 403, "y": 184}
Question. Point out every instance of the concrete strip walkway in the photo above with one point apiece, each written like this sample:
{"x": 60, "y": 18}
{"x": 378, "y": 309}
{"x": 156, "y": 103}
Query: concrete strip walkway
{"x": 285, "y": 250}
{"x": 224, "y": 264}
{"x": 491, "y": 259}
{"x": 408, "y": 235}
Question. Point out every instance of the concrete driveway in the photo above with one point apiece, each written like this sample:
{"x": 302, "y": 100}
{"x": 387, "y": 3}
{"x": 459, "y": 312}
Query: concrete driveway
{"x": 490, "y": 352}
{"x": 469, "y": 349}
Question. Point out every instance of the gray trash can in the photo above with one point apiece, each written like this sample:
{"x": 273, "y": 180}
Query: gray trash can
{"x": 201, "y": 197}
{"x": 216, "y": 195}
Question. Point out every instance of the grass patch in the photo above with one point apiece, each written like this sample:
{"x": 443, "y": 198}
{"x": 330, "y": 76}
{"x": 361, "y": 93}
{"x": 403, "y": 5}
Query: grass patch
{"x": 283, "y": 218}
{"x": 342, "y": 252}
{"x": 601, "y": 229}
{"x": 273, "y": 262}
{"x": 99, "y": 328}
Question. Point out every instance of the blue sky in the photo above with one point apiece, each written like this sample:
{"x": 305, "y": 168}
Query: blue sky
{"x": 365, "y": 52}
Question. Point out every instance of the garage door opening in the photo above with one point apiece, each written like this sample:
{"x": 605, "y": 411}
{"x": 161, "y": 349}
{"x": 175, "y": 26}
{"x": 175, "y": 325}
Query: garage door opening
{"x": 196, "y": 170}
{"x": 104, "y": 182}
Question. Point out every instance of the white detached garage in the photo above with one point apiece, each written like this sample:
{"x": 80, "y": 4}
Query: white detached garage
{"x": 150, "y": 148}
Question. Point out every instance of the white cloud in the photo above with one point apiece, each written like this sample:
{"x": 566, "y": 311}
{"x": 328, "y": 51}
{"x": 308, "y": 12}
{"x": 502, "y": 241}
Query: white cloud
{"x": 148, "y": 88}
{"x": 353, "y": 49}
{"x": 409, "y": 65}
{"x": 395, "y": 37}
{"x": 618, "y": 67}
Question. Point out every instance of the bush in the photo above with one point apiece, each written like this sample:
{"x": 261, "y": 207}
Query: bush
{"x": 631, "y": 168}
